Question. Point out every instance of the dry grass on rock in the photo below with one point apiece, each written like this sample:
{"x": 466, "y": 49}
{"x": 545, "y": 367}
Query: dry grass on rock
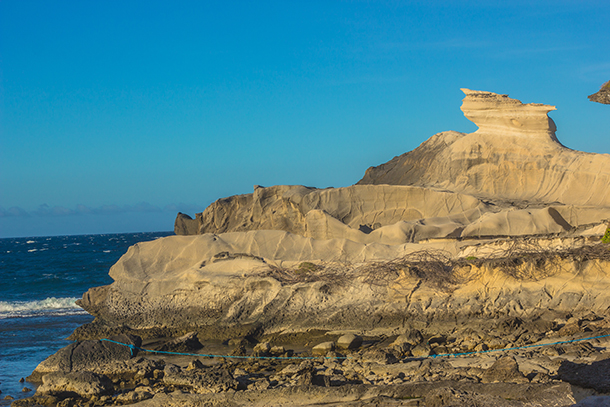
{"x": 523, "y": 259}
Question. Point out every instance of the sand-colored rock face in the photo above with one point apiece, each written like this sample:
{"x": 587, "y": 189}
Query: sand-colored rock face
{"x": 502, "y": 160}
{"x": 291, "y": 258}
{"x": 363, "y": 213}
{"x": 230, "y": 280}
{"x": 500, "y": 115}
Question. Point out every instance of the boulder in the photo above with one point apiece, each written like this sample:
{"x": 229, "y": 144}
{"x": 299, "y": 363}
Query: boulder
{"x": 80, "y": 384}
{"x": 203, "y": 381}
{"x": 422, "y": 350}
{"x": 262, "y": 348}
{"x": 505, "y": 370}
{"x": 349, "y": 341}
{"x": 323, "y": 348}
{"x": 380, "y": 356}
{"x": 184, "y": 344}
{"x": 88, "y": 355}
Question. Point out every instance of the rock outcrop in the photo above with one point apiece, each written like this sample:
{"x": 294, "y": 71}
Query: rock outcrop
{"x": 501, "y": 116}
{"x": 603, "y": 95}
{"x": 293, "y": 258}
{"x": 469, "y": 243}
{"x": 514, "y": 156}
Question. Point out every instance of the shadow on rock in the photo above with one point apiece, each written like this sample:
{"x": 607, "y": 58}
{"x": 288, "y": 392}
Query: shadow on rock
{"x": 594, "y": 376}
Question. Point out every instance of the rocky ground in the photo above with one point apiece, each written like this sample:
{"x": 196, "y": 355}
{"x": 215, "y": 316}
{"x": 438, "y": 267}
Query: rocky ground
{"x": 410, "y": 369}
{"x": 453, "y": 262}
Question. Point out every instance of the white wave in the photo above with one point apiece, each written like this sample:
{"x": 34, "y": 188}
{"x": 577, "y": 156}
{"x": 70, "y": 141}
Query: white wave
{"x": 31, "y": 241}
{"x": 32, "y": 250}
{"x": 52, "y": 305}
{"x": 107, "y": 251}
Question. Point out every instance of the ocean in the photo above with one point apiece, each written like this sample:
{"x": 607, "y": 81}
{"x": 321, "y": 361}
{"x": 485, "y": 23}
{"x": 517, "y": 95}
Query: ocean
{"x": 41, "y": 278}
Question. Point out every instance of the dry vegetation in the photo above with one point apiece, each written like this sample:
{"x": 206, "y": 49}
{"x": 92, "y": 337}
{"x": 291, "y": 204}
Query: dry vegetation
{"x": 523, "y": 259}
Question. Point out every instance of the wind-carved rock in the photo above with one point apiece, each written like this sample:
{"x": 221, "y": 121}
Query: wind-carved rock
{"x": 603, "y": 95}
{"x": 501, "y": 115}
{"x": 292, "y": 258}
{"x": 513, "y": 156}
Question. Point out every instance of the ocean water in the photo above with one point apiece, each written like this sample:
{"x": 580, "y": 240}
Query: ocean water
{"x": 40, "y": 279}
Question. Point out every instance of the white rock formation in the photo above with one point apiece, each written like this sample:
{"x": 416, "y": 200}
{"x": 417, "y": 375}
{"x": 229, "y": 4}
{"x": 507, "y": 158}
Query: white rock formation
{"x": 290, "y": 258}
{"x": 500, "y": 115}
{"x": 514, "y": 156}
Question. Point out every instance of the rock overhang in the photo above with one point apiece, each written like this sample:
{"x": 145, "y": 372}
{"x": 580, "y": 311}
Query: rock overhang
{"x": 500, "y": 115}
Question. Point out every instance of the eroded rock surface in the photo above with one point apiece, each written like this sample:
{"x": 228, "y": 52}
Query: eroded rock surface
{"x": 470, "y": 243}
{"x": 603, "y": 95}
{"x": 513, "y": 156}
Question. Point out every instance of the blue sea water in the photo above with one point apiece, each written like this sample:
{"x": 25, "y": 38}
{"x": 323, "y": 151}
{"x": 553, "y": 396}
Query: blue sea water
{"x": 40, "y": 279}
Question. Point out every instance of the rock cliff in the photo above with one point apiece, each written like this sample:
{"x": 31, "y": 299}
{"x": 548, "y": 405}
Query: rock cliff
{"x": 294, "y": 258}
{"x": 514, "y": 156}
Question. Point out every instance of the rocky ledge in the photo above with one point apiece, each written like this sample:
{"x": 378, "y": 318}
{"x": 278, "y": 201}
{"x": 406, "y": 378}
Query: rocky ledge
{"x": 470, "y": 243}
{"x": 411, "y": 369}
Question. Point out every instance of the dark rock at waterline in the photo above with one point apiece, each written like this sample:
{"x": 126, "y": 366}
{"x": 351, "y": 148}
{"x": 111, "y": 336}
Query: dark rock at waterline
{"x": 87, "y": 355}
{"x": 79, "y": 384}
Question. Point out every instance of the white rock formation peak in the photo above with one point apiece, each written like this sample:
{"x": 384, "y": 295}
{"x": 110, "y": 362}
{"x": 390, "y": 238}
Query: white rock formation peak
{"x": 500, "y": 115}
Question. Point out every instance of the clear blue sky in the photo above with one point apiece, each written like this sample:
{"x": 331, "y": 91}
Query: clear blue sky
{"x": 114, "y": 115}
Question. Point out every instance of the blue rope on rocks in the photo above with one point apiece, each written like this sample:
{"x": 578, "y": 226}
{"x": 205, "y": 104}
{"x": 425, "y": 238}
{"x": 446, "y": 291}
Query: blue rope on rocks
{"x": 132, "y": 348}
{"x": 517, "y": 347}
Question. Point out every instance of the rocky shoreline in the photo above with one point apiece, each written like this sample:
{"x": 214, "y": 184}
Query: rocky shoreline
{"x": 349, "y": 370}
{"x": 473, "y": 270}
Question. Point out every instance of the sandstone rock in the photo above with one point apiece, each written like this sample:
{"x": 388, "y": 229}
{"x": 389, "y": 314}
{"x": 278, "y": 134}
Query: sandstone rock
{"x": 185, "y": 225}
{"x": 511, "y": 138}
{"x": 139, "y": 394}
{"x": 381, "y": 356}
{"x": 323, "y": 348}
{"x": 447, "y": 396}
{"x": 422, "y": 350}
{"x": 195, "y": 364}
{"x": 355, "y": 213}
{"x": 401, "y": 344}
{"x": 202, "y": 381}
{"x": 505, "y": 370}
{"x": 511, "y": 177}
{"x": 603, "y": 95}
{"x": 186, "y": 343}
{"x": 294, "y": 369}
{"x": 262, "y": 347}
{"x": 500, "y": 115}
{"x": 81, "y": 384}
{"x": 277, "y": 350}
{"x": 349, "y": 341}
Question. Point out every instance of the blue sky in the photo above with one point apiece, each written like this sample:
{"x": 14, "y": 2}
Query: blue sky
{"x": 116, "y": 115}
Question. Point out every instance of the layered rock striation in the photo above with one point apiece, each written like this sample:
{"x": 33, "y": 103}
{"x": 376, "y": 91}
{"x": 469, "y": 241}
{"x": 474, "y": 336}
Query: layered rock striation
{"x": 294, "y": 258}
{"x": 513, "y": 156}
{"x": 470, "y": 242}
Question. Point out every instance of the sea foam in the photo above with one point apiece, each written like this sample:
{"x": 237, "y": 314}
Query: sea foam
{"x": 48, "y": 306}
